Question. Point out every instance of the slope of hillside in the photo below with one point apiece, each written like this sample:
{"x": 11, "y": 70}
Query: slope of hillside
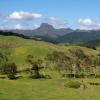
{"x": 79, "y": 36}
{"x": 20, "y": 48}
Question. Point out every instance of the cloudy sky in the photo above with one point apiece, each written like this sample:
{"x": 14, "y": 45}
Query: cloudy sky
{"x": 29, "y": 14}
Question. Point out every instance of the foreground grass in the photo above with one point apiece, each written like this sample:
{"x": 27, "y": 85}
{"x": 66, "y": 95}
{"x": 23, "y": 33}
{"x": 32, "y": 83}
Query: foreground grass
{"x": 45, "y": 89}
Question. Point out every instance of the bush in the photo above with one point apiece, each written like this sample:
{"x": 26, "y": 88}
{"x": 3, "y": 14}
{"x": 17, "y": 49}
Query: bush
{"x": 11, "y": 76}
{"x": 36, "y": 76}
{"x": 73, "y": 84}
{"x": 73, "y": 75}
{"x": 94, "y": 83}
{"x": 48, "y": 77}
{"x": 10, "y": 70}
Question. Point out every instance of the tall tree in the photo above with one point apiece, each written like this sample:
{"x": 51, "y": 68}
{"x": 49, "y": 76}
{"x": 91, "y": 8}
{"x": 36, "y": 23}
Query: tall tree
{"x": 61, "y": 60}
{"x": 81, "y": 61}
{"x": 36, "y": 66}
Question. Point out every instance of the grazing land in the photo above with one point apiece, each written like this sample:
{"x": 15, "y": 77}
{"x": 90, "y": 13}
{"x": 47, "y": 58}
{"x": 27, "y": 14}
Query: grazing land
{"x": 54, "y": 88}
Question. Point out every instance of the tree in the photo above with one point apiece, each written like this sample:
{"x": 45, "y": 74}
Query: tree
{"x": 61, "y": 61}
{"x": 36, "y": 66}
{"x": 97, "y": 60}
{"x": 3, "y": 61}
{"x": 7, "y": 67}
{"x": 11, "y": 70}
{"x": 81, "y": 61}
{"x": 96, "y": 64}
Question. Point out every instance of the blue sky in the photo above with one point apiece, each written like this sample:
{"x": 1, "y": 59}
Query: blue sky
{"x": 24, "y": 14}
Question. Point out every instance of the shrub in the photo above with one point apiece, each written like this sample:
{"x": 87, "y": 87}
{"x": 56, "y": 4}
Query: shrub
{"x": 73, "y": 84}
{"x": 94, "y": 83}
{"x": 36, "y": 76}
{"x": 10, "y": 70}
{"x": 48, "y": 77}
{"x": 11, "y": 76}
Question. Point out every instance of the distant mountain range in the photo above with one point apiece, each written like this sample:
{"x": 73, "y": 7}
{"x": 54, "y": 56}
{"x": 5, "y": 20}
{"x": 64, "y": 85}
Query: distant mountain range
{"x": 79, "y": 36}
{"x": 48, "y": 33}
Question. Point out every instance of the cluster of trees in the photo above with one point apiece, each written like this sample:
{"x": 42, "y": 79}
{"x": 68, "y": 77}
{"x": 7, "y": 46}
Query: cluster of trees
{"x": 76, "y": 64}
{"x": 13, "y": 34}
{"x": 36, "y": 66}
{"x": 7, "y": 67}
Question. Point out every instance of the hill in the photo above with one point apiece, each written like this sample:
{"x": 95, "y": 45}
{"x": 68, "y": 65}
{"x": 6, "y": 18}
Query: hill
{"x": 20, "y": 48}
{"x": 26, "y": 88}
{"x": 79, "y": 36}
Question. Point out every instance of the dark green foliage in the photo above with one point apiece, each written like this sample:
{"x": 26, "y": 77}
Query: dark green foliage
{"x": 11, "y": 76}
{"x": 91, "y": 46}
{"x": 80, "y": 65}
{"x": 36, "y": 67}
{"x": 97, "y": 60}
{"x": 3, "y": 61}
{"x": 74, "y": 75}
{"x": 77, "y": 53}
{"x": 92, "y": 43}
{"x": 13, "y": 34}
{"x": 47, "y": 38}
{"x": 62, "y": 61}
{"x": 73, "y": 84}
{"x": 79, "y": 37}
{"x": 94, "y": 83}
{"x": 11, "y": 70}
{"x": 7, "y": 68}
{"x": 80, "y": 59}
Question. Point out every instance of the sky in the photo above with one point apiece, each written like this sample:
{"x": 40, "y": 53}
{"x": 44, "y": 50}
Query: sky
{"x": 29, "y": 14}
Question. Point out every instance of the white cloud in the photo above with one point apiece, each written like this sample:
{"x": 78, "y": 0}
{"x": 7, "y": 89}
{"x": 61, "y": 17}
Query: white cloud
{"x": 56, "y": 22}
{"x": 9, "y": 27}
{"x": 88, "y": 24}
{"x": 98, "y": 25}
{"x": 52, "y": 21}
{"x": 23, "y": 15}
{"x": 86, "y": 21}
{"x": 19, "y": 27}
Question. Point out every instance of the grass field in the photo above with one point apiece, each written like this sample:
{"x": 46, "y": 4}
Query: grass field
{"x": 46, "y": 89}
{"x": 20, "y": 48}
{"x": 41, "y": 89}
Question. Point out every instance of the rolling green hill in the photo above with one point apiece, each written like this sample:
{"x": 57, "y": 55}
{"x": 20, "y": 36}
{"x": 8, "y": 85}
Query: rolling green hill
{"x": 28, "y": 89}
{"x": 20, "y": 48}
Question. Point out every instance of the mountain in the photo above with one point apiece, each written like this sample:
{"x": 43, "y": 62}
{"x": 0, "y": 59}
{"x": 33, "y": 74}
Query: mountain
{"x": 48, "y": 33}
{"x": 45, "y": 29}
{"x": 79, "y": 36}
